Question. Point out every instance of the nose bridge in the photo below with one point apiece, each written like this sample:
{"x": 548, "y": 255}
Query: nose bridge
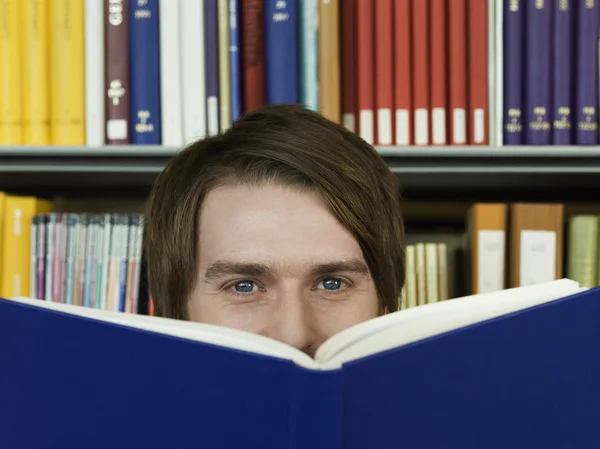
{"x": 293, "y": 321}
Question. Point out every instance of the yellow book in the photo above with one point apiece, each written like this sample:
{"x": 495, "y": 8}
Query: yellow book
{"x": 36, "y": 108}
{"x": 11, "y": 117}
{"x": 67, "y": 76}
{"x": 15, "y": 275}
{"x": 2, "y": 203}
{"x": 224, "y": 78}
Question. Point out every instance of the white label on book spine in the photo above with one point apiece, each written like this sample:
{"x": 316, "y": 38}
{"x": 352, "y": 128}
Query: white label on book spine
{"x": 438, "y": 123}
{"x": 349, "y": 121}
{"x": 366, "y": 125}
{"x": 116, "y": 129}
{"x": 421, "y": 127}
{"x": 402, "y": 127}
{"x": 459, "y": 127}
{"x": 490, "y": 260}
{"x": 384, "y": 126}
{"x": 479, "y": 131}
{"x": 212, "y": 113}
{"x": 537, "y": 257}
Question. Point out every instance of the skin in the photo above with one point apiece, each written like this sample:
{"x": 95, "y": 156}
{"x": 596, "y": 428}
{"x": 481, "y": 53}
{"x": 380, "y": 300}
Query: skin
{"x": 274, "y": 261}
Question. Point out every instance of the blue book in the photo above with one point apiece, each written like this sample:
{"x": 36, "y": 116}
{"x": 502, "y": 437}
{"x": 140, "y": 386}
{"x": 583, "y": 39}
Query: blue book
{"x": 538, "y": 67}
{"x": 562, "y": 71}
{"x": 517, "y": 368}
{"x": 514, "y": 69}
{"x": 144, "y": 72}
{"x": 211, "y": 42}
{"x": 281, "y": 51}
{"x": 586, "y": 78}
{"x": 235, "y": 66}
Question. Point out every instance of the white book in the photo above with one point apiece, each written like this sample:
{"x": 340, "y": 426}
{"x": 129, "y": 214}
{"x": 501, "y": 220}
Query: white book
{"x": 193, "y": 70}
{"x": 94, "y": 73}
{"x": 359, "y": 341}
{"x": 170, "y": 74}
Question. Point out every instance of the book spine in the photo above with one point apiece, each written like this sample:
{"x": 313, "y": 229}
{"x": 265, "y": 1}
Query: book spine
{"x": 11, "y": 114}
{"x": 40, "y": 272}
{"x": 171, "y": 110}
{"x": 328, "y": 83}
{"x": 365, "y": 61}
{"x": 478, "y": 122}
{"x": 224, "y": 80}
{"x": 587, "y": 73}
{"x": 94, "y": 73}
{"x": 281, "y": 45}
{"x": 562, "y": 83}
{"x": 145, "y": 72}
{"x": 309, "y": 54}
{"x": 116, "y": 35}
{"x": 33, "y": 249}
{"x": 211, "y": 40}
{"x": 538, "y": 72}
{"x": 36, "y": 108}
{"x": 348, "y": 64}
{"x": 514, "y": 68}
{"x": 384, "y": 71}
{"x": 253, "y": 32}
{"x": 457, "y": 68}
{"x": 235, "y": 68}
{"x": 193, "y": 72}
{"x": 421, "y": 74}
{"x": 403, "y": 83}
{"x": 438, "y": 61}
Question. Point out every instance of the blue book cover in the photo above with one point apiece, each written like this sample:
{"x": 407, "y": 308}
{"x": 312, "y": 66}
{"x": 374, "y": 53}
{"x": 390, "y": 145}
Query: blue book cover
{"x": 281, "y": 50}
{"x": 562, "y": 71}
{"x": 235, "y": 66}
{"x": 514, "y": 70}
{"x": 520, "y": 369}
{"x": 538, "y": 86}
{"x": 211, "y": 42}
{"x": 144, "y": 69}
{"x": 309, "y": 53}
{"x": 586, "y": 78}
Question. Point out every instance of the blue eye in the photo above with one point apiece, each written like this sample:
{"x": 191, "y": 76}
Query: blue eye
{"x": 244, "y": 287}
{"x": 332, "y": 284}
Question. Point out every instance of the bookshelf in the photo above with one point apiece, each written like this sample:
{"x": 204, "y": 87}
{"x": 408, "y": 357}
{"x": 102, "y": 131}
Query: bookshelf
{"x": 452, "y": 172}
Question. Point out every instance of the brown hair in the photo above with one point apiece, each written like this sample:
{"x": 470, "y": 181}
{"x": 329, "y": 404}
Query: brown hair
{"x": 286, "y": 144}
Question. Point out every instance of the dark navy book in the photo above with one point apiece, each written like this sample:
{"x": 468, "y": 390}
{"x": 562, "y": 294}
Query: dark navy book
{"x": 281, "y": 49}
{"x": 235, "y": 64}
{"x": 514, "y": 70}
{"x": 563, "y": 58}
{"x": 538, "y": 68}
{"x": 586, "y": 97}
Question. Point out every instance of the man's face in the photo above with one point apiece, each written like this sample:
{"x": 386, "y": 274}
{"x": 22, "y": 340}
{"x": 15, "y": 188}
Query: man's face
{"x": 274, "y": 261}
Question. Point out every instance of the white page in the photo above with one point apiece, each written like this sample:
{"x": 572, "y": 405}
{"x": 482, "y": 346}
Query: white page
{"x": 450, "y": 315}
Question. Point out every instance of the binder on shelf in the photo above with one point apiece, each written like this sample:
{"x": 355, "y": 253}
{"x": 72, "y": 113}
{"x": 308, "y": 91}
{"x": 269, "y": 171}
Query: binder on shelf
{"x": 515, "y": 368}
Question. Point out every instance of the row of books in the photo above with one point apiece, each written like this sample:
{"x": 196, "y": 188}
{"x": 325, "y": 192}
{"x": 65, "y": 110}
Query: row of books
{"x": 426, "y": 274}
{"x": 397, "y": 72}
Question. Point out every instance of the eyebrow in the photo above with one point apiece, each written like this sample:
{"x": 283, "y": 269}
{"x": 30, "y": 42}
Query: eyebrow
{"x": 222, "y": 268}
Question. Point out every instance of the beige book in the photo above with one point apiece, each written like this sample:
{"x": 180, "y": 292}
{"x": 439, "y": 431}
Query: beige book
{"x": 431, "y": 273}
{"x": 582, "y": 260}
{"x": 442, "y": 260}
{"x": 421, "y": 276}
{"x": 410, "y": 284}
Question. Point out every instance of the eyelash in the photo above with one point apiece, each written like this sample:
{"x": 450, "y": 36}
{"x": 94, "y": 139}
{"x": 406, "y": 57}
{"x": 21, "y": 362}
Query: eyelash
{"x": 230, "y": 287}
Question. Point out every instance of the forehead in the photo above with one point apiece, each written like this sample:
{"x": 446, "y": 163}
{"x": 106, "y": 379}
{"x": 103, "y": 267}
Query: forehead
{"x": 273, "y": 224}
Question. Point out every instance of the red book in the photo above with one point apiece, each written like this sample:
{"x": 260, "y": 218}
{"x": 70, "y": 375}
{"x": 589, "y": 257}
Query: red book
{"x": 348, "y": 63}
{"x": 384, "y": 75}
{"x": 403, "y": 87}
{"x": 457, "y": 16}
{"x": 365, "y": 74}
{"x": 478, "y": 75}
{"x": 439, "y": 71}
{"x": 420, "y": 19}
{"x": 253, "y": 38}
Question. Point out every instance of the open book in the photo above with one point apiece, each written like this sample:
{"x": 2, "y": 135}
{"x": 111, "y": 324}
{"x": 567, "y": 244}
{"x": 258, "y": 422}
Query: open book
{"x": 364, "y": 339}
{"x": 513, "y": 368}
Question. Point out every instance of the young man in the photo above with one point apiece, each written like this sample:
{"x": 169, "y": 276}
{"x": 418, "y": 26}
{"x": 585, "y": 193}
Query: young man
{"x": 287, "y": 225}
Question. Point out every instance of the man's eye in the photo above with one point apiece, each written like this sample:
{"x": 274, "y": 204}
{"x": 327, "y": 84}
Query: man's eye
{"x": 331, "y": 284}
{"x": 244, "y": 287}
